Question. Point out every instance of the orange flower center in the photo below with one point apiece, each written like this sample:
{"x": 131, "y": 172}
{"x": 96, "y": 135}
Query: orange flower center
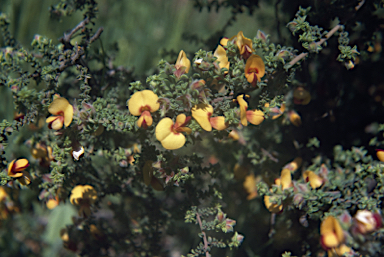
{"x": 145, "y": 108}
{"x": 253, "y": 70}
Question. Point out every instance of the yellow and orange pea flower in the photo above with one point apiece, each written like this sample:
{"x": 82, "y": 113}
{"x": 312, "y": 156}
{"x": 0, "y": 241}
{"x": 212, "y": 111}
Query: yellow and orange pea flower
{"x": 16, "y": 169}
{"x": 332, "y": 237}
{"x": 63, "y": 111}
{"x": 285, "y": 182}
{"x": 202, "y": 114}
{"x": 254, "y": 69}
{"x": 143, "y": 103}
{"x": 243, "y": 43}
{"x": 275, "y": 112}
{"x": 170, "y": 134}
{"x": 315, "y": 181}
{"x": 83, "y": 196}
{"x": 255, "y": 117}
{"x": 43, "y": 153}
{"x": 183, "y": 64}
{"x": 301, "y": 96}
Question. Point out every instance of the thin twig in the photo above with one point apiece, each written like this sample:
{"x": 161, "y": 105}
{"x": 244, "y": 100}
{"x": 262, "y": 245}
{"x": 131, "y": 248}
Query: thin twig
{"x": 96, "y": 35}
{"x": 204, "y": 235}
{"x": 320, "y": 42}
{"x": 67, "y": 37}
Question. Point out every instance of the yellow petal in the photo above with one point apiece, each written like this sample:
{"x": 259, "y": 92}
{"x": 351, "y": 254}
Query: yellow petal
{"x": 218, "y": 123}
{"x": 25, "y": 179}
{"x": 147, "y": 172}
{"x": 180, "y": 120}
{"x": 243, "y": 43}
{"x": 58, "y": 106}
{"x": 20, "y": 165}
{"x": 331, "y": 230}
{"x": 68, "y": 115}
{"x": 145, "y": 118}
{"x": 201, "y": 113}
{"x": 55, "y": 122}
{"x": 255, "y": 117}
{"x": 52, "y": 203}
{"x": 286, "y": 179}
{"x": 314, "y": 180}
{"x": 183, "y": 61}
{"x": 380, "y": 154}
{"x": 76, "y": 193}
{"x": 243, "y": 110}
{"x": 142, "y": 101}
{"x": 169, "y": 139}
{"x": 272, "y": 207}
{"x": 222, "y": 58}
{"x": 254, "y": 68}
{"x": 295, "y": 118}
{"x": 224, "y": 41}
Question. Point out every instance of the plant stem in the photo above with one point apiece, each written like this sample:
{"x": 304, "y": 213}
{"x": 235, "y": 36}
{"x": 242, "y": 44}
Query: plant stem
{"x": 204, "y": 235}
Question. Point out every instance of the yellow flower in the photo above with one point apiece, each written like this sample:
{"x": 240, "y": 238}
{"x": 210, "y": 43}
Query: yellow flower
{"x": 253, "y": 116}
{"x": 285, "y": 179}
{"x": 83, "y": 196}
{"x": 285, "y": 182}
{"x": 332, "y": 235}
{"x": 222, "y": 58}
{"x": 380, "y": 154}
{"x": 272, "y": 207}
{"x": 339, "y": 251}
{"x": 249, "y": 185}
{"x": 301, "y": 96}
{"x": 295, "y": 118}
{"x": 315, "y": 181}
{"x": 244, "y": 44}
{"x": 183, "y": 64}
{"x": 143, "y": 103}
{"x": 42, "y": 153}
{"x": 254, "y": 69}
{"x": 202, "y": 114}
{"x": 63, "y": 112}
{"x": 169, "y": 133}
{"x": 16, "y": 169}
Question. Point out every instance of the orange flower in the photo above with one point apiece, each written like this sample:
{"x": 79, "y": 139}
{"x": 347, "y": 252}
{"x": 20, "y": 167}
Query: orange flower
{"x": 16, "y": 169}
{"x": 294, "y": 165}
{"x": 169, "y": 133}
{"x": 63, "y": 111}
{"x": 254, "y": 69}
{"x": 143, "y": 103}
{"x": 253, "y": 116}
{"x": 202, "y": 114}
{"x": 183, "y": 64}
